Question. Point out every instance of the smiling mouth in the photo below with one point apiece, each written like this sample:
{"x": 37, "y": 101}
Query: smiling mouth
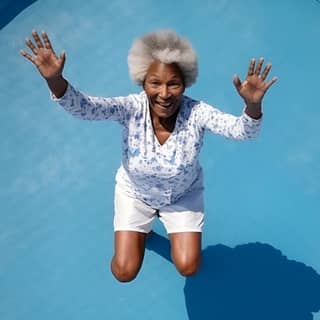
{"x": 165, "y": 105}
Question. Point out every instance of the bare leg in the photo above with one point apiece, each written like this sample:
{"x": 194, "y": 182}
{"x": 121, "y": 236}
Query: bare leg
{"x": 129, "y": 249}
{"x": 186, "y": 251}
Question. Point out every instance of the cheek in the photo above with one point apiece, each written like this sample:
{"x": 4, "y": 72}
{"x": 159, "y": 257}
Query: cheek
{"x": 179, "y": 93}
{"x": 151, "y": 93}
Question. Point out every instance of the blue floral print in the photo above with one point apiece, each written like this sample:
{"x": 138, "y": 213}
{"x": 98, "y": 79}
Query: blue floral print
{"x": 154, "y": 173}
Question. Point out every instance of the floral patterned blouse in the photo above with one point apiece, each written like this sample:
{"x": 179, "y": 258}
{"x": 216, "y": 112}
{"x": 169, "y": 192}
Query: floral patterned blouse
{"x": 154, "y": 173}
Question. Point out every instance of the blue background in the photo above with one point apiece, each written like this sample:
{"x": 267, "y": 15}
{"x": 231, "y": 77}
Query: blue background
{"x": 261, "y": 237}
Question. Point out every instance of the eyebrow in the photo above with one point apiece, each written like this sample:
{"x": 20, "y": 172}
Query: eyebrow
{"x": 175, "y": 77}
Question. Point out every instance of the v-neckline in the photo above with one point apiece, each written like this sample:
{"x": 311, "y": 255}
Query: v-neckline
{"x": 171, "y": 134}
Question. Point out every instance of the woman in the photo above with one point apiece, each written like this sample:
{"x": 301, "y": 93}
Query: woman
{"x": 163, "y": 130}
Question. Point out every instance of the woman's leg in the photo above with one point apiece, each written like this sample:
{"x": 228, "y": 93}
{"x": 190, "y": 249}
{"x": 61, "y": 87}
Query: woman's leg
{"x": 129, "y": 247}
{"x": 186, "y": 251}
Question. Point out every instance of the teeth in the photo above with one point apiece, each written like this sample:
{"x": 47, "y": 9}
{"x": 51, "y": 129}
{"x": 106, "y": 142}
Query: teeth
{"x": 165, "y": 105}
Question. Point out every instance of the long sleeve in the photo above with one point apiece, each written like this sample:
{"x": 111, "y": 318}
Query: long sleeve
{"x": 87, "y": 107}
{"x": 227, "y": 125}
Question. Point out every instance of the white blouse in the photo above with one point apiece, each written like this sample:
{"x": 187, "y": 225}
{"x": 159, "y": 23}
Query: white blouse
{"x": 154, "y": 173}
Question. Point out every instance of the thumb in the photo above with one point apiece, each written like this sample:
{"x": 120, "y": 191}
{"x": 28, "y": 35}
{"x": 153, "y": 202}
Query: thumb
{"x": 236, "y": 82}
{"x": 63, "y": 58}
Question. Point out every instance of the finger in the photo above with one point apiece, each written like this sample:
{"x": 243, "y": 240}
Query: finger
{"x": 28, "y": 56}
{"x": 32, "y": 47}
{"x": 271, "y": 82}
{"x": 251, "y": 67}
{"x": 266, "y": 71}
{"x": 46, "y": 41}
{"x": 63, "y": 58}
{"x": 259, "y": 66}
{"x": 236, "y": 82}
{"x": 37, "y": 39}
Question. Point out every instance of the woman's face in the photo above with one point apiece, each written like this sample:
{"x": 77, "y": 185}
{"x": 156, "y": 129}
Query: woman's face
{"x": 164, "y": 87}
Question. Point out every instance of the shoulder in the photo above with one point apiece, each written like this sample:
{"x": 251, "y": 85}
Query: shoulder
{"x": 199, "y": 112}
{"x": 189, "y": 103}
{"x": 130, "y": 102}
{"x": 136, "y": 100}
{"x": 140, "y": 97}
{"x": 195, "y": 105}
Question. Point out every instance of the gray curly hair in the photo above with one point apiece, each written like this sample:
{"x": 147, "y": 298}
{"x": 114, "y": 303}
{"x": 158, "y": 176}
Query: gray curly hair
{"x": 165, "y": 46}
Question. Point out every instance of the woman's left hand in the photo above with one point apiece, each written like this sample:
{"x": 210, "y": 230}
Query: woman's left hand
{"x": 254, "y": 87}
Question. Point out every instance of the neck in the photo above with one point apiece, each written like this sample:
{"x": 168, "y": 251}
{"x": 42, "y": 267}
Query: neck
{"x": 166, "y": 124}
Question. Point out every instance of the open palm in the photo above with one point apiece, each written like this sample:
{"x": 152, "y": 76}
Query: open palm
{"x": 254, "y": 87}
{"x": 49, "y": 65}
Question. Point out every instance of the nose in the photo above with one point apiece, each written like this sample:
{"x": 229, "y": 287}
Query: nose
{"x": 164, "y": 92}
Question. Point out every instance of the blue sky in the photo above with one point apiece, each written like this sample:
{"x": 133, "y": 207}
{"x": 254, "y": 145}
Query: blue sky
{"x": 57, "y": 172}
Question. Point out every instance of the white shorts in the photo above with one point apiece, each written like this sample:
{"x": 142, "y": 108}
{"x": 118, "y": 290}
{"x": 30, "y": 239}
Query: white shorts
{"x": 185, "y": 215}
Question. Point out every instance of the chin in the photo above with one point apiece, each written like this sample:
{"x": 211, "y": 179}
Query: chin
{"x": 163, "y": 113}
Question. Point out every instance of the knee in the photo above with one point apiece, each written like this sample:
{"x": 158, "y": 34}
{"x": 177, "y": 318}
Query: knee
{"x": 188, "y": 268}
{"x": 124, "y": 272}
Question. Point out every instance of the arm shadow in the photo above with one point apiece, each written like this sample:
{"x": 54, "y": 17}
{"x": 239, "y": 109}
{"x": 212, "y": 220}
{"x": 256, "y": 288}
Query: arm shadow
{"x": 250, "y": 281}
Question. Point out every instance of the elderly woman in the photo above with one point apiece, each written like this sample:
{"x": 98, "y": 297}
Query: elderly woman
{"x": 160, "y": 175}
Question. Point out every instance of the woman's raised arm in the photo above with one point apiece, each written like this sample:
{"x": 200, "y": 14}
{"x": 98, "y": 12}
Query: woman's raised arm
{"x": 49, "y": 65}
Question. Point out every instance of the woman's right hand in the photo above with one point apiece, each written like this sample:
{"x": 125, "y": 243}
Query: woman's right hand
{"x": 49, "y": 65}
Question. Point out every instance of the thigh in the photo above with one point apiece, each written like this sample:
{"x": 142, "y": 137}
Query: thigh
{"x": 131, "y": 214}
{"x": 129, "y": 247}
{"x": 184, "y": 215}
{"x": 186, "y": 251}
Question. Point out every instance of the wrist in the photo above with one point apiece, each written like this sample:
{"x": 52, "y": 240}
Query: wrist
{"x": 57, "y": 78}
{"x": 57, "y": 86}
{"x": 254, "y": 110}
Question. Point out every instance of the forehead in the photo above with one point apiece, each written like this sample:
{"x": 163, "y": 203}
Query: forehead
{"x": 160, "y": 69}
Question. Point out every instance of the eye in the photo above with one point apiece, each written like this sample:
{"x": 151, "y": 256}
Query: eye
{"x": 154, "y": 83}
{"x": 175, "y": 84}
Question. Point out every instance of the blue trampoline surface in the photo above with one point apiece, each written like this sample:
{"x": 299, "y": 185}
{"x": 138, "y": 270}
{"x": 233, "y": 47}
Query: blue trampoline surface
{"x": 261, "y": 257}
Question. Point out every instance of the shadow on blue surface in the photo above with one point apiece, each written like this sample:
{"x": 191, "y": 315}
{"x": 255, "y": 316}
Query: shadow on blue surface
{"x": 251, "y": 281}
{"x": 10, "y": 9}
